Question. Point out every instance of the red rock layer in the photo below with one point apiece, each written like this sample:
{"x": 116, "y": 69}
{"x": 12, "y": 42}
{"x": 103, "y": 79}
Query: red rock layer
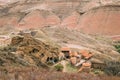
{"x": 103, "y": 20}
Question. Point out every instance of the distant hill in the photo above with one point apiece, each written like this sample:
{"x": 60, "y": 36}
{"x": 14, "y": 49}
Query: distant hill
{"x": 88, "y": 16}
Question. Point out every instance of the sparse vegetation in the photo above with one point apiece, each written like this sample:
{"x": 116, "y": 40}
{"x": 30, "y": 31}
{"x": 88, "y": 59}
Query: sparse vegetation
{"x": 97, "y": 71}
{"x": 59, "y": 67}
{"x": 112, "y": 68}
{"x": 30, "y": 73}
{"x": 71, "y": 68}
{"x": 117, "y": 46}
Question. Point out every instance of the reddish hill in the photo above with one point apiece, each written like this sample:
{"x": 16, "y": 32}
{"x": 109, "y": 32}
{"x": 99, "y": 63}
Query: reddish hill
{"x": 101, "y": 20}
{"x": 88, "y": 16}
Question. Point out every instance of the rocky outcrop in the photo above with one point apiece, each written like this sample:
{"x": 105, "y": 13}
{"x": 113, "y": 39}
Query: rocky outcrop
{"x": 27, "y": 51}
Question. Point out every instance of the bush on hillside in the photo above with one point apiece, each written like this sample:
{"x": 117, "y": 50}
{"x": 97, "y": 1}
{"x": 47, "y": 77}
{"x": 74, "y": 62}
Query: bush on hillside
{"x": 117, "y": 46}
{"x": 112, "y": 68}
{"x": 59, "y": 67}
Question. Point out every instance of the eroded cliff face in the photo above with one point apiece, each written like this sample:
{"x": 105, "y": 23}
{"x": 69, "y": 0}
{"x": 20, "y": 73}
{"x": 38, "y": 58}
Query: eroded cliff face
{"x": 89, "y": 16}
{"x": 102, "y": 20}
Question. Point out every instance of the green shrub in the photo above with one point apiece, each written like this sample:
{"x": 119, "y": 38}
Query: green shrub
{"x": 112, "y": 68}
{"x": 59, "y": 67}
{"x": 117, "y": 46}
{"x": 97, "y": 71}
{"x": 71, "y": 68}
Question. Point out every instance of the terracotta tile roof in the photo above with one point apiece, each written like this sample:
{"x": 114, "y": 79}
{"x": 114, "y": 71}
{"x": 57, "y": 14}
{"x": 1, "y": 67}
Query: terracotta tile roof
{"x": 73, "y": 60}
{"x": 86, "y": 64}
{"x": 86, "y": 53}
{"x": 65, "y": 49}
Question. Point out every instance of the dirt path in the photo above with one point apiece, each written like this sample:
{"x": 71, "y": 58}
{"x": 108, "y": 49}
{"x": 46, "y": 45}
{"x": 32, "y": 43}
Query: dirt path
{"x": 64, "y": 65}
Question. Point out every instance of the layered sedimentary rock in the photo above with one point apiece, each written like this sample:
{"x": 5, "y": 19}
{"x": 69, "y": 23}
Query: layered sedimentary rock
{"x": 89, "y": 16}
{"x": 71, "y": 21}
{"x": 101, "y": 20}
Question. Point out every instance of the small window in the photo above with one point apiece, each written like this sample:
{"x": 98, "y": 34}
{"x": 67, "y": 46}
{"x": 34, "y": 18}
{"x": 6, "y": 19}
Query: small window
{"x": 48, "y": 59}
{"x": 35, "y": 50}
{"x": 51, "y": 58}
{"x": 42, "y": 55}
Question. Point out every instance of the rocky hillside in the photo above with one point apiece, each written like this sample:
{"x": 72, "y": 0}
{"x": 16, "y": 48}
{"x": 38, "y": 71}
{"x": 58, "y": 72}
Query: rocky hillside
{"x": 30, "y": 50}
{"x": 47, "y": 43}
{"x": 35, "y": 33}
{"x": 89, "y": 16}
{"x": 55, "y": 17}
